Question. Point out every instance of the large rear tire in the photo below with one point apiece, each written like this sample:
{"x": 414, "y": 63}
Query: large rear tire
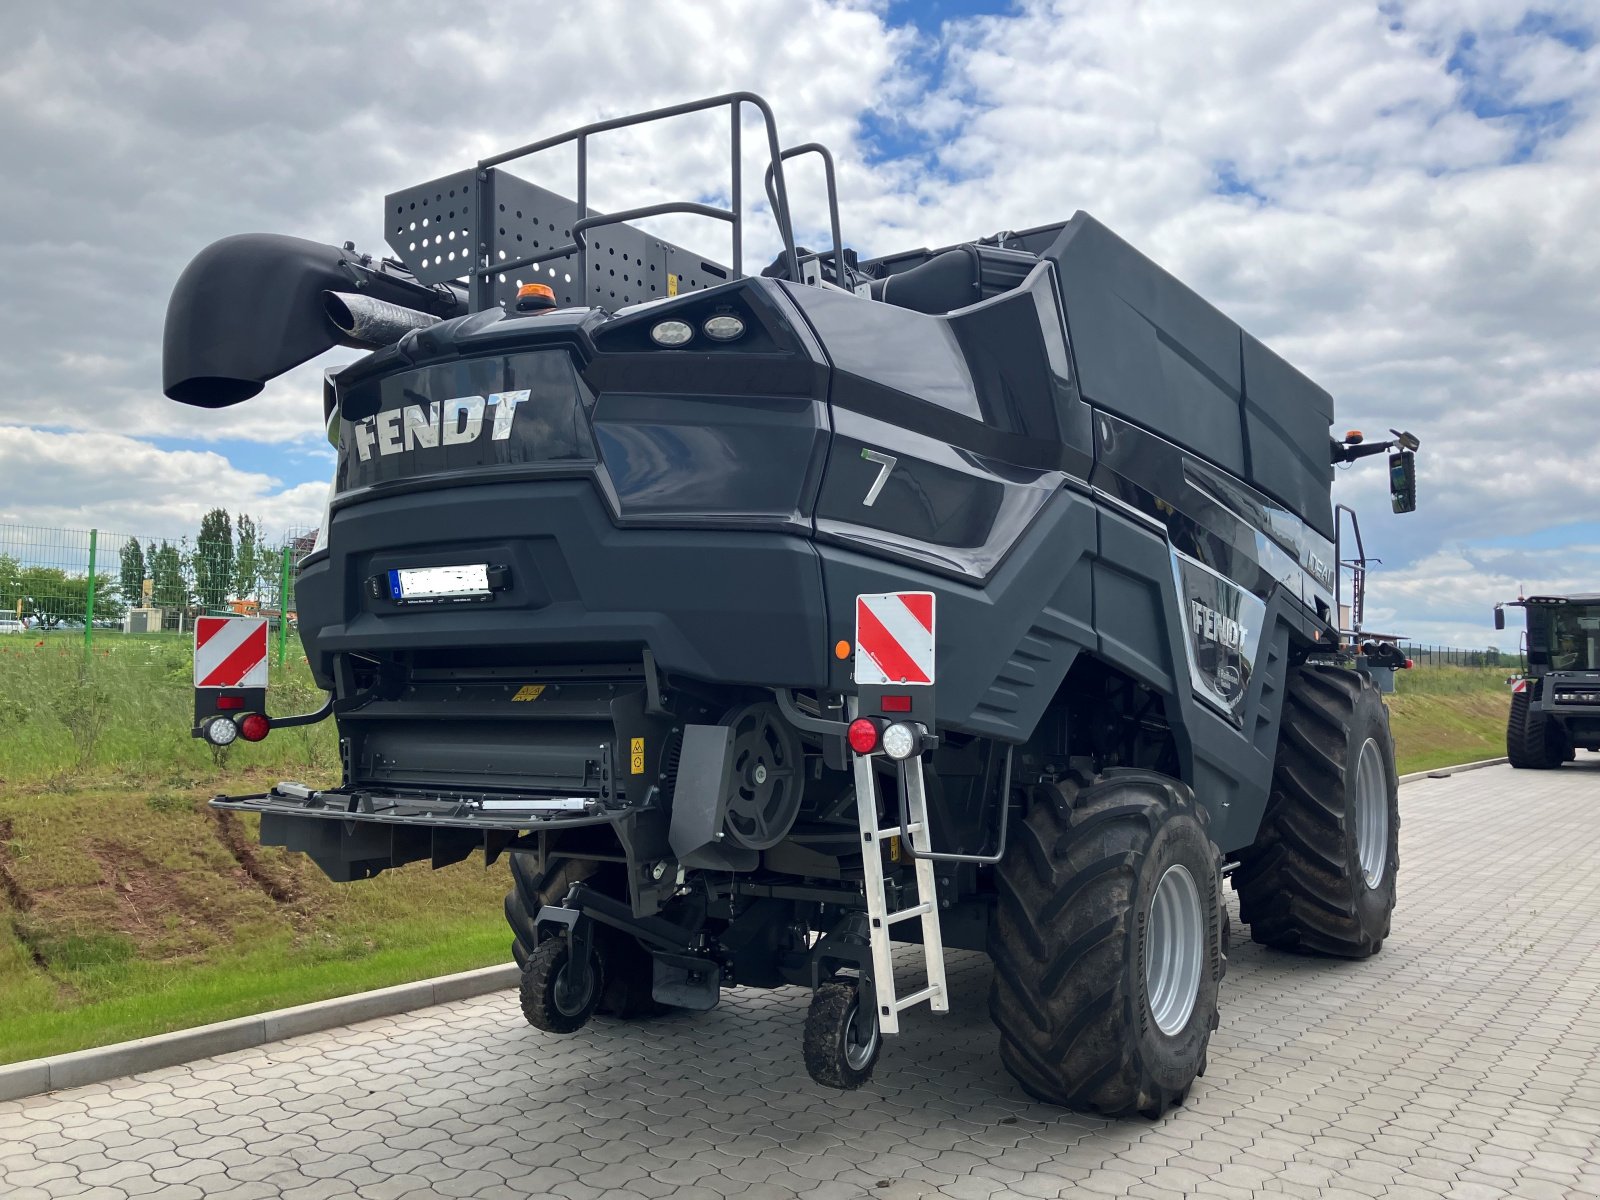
{"x": 1533, "y": 741}
{"x": 1107, "y": 945}
{"x": 1320, "y": 877}
{"x": 628, "y": 968}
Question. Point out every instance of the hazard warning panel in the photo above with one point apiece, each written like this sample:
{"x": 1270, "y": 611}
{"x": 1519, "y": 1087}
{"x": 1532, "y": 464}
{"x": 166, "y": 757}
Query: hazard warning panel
{"x": 230, "y": 652}
{"x": 894, "y": 638}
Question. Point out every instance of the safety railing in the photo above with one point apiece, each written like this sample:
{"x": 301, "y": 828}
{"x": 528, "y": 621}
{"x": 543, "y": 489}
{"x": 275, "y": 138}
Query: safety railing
{"x": 489, "y": 267}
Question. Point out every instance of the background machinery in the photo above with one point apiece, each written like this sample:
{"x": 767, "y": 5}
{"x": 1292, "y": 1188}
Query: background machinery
{"x": 1555, "y": 704}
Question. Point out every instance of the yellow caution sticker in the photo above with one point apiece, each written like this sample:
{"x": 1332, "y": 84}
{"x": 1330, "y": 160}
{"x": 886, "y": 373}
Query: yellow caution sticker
{"x": 636, "y": 756}
{"x": 531, "y": 691}
{"x": 672, "y": 284}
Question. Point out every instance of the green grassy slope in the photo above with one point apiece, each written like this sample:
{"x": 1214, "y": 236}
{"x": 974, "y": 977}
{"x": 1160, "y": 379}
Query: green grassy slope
{"x": 1445, "y": 715}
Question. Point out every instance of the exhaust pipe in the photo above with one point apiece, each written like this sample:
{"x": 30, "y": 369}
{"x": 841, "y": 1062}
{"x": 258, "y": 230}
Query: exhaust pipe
{"x": 250, "y": 307}
{"x": 369, "y": 324}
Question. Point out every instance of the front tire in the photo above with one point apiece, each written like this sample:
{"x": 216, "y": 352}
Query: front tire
{"x": 1107, "y": 945}
{"x": 628, "y": 968}
{"x": 1320, "y": 877}
{"x": 842, "y": 1039}
{"x": 1533, "y": 741}
{"x": 549, "y": 1001}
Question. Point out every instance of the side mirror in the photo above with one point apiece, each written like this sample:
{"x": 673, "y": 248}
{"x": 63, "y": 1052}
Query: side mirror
{"x": 1499, "y": 617}
{"x": 1403, "y": 481}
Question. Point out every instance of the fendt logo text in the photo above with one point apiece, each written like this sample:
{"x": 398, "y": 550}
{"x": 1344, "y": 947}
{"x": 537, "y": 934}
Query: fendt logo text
{"x": 1214, "y": 626}
{"x": 447, "y": 423}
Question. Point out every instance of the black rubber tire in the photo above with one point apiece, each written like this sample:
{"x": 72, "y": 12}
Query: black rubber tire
{"x": 829, "y": 1021}
{"x": 628, "y": 967}
{"x": 1301, "y": 886}
{"x": 542, "y": 975}
{"x": 1533, "y": 741}
{"x": 1068, "y": 943}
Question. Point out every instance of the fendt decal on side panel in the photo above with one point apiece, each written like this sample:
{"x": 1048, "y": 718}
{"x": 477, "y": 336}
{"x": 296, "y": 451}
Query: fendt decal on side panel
{"x": 894, "y": 638}
{"x": 1224, "y": 623}
{"x": 230, "y": 652}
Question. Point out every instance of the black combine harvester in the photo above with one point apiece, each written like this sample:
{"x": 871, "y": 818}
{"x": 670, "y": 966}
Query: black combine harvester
{"x": 979, "y": 598}
{"x": 1555, "y": 705}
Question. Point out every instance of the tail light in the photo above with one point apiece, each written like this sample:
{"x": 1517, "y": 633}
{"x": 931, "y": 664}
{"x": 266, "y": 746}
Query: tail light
{"x": 863, "y": 735}
{"x": 253, "y": 727}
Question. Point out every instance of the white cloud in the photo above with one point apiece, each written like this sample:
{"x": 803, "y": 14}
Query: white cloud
{"x": 1399, "y": 197}
{"x": 124, "y": 485}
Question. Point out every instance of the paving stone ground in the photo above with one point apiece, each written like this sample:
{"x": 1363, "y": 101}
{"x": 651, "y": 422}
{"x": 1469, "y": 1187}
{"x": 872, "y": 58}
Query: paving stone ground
{"x": 1463, "y": 1061}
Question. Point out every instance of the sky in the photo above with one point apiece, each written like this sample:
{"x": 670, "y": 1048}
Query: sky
{"x": 1400, "y": 197}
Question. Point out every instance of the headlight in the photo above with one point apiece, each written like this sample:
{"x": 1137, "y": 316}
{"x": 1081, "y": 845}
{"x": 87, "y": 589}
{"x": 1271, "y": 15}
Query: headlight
{"x": 672, "y": 333}
{"x": 723, "y": 328}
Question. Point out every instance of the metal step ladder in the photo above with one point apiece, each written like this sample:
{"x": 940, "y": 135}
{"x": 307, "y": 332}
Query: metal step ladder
{"x": 880, "y": 919}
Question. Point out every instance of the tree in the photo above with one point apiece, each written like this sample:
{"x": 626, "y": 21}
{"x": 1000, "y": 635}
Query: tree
{"x": 213, "y": 559}
{"x": 131, "y": 578}
{"x": 51, "y": 597}
{"x": 10, "y": 585}
{"x": 247, "y": 559}
{"x": 166, "y": 574}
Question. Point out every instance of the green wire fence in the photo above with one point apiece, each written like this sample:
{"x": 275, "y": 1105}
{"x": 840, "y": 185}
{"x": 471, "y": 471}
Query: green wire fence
{"x": 95, "y": 583}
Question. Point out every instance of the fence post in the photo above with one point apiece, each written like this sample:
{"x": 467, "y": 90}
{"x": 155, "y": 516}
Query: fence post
{"x": 283, "y": 605}
{"x": 88, "y": 603}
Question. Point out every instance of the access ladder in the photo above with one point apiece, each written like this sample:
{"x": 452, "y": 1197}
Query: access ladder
{"x": 915, "y": 830}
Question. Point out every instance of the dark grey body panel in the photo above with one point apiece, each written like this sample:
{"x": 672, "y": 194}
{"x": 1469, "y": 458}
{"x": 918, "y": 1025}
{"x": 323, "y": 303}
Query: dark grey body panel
{"x": 1152, "y": 350}
{"x": 742, "y": 606}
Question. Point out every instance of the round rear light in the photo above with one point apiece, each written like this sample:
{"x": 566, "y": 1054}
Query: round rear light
{"x": 863, "y": 735}
{"x": 253, "y": 727}
{"x": 899, "y": 741}
{"x": 221, "y": 731}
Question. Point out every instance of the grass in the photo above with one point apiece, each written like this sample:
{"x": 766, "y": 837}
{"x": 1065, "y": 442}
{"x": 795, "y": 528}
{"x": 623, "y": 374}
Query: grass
{"x": 128, "y": 907}
{"x": 1446, "y": 715}
{"x": 122, "y": 713}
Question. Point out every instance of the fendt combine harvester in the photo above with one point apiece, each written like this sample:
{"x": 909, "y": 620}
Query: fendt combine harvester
{"x": 977, "y": 598}
{"x": 1555, "y": 706}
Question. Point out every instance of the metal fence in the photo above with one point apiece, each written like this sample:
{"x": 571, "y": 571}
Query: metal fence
{"x": 95, "y": 582}
{"x": 1455, "y": 656}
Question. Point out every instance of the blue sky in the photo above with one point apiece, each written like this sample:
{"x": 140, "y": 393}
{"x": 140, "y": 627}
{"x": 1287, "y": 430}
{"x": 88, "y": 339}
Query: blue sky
{"x": 1398, "y": 196}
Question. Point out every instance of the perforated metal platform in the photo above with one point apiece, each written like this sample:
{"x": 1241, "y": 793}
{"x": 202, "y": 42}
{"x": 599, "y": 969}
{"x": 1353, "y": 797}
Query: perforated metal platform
{"x": 433, "y": 228}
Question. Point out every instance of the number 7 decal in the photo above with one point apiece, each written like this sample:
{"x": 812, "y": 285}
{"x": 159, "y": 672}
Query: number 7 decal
{"x": 886, "y": 462}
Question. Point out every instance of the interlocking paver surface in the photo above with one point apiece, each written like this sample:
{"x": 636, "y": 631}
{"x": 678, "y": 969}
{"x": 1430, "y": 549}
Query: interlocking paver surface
{"x": 1463, "y": 1061}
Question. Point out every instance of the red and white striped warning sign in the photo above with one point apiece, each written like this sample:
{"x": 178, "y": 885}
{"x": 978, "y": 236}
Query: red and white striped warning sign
{"x": 894, "y": 638}
{"x": 230, "y": 652}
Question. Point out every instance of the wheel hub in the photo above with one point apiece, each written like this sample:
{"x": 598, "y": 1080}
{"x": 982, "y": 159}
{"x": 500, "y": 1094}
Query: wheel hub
{"x": 569, "y": 1001}
{"x": 860, "y": 1038}
{"x": 1174, "y": 950}
{"x": 1369, "y": 810}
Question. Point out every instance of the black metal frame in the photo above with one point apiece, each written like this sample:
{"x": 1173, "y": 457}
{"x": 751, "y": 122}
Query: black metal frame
{"x": 823, "y": 152}
{"x": 483, "y": 276}
{"x": 1358, "y": 571}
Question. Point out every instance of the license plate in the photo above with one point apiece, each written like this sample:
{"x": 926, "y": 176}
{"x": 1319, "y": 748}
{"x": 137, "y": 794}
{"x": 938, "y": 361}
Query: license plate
{"x": 434, "y": 583}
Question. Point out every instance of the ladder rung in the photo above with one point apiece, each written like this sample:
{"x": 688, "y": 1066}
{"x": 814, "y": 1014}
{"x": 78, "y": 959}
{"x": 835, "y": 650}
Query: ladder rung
{"x": 905, "y": 914}
{"x": 894, "y": 830}
{"x": 927, "y": 993}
